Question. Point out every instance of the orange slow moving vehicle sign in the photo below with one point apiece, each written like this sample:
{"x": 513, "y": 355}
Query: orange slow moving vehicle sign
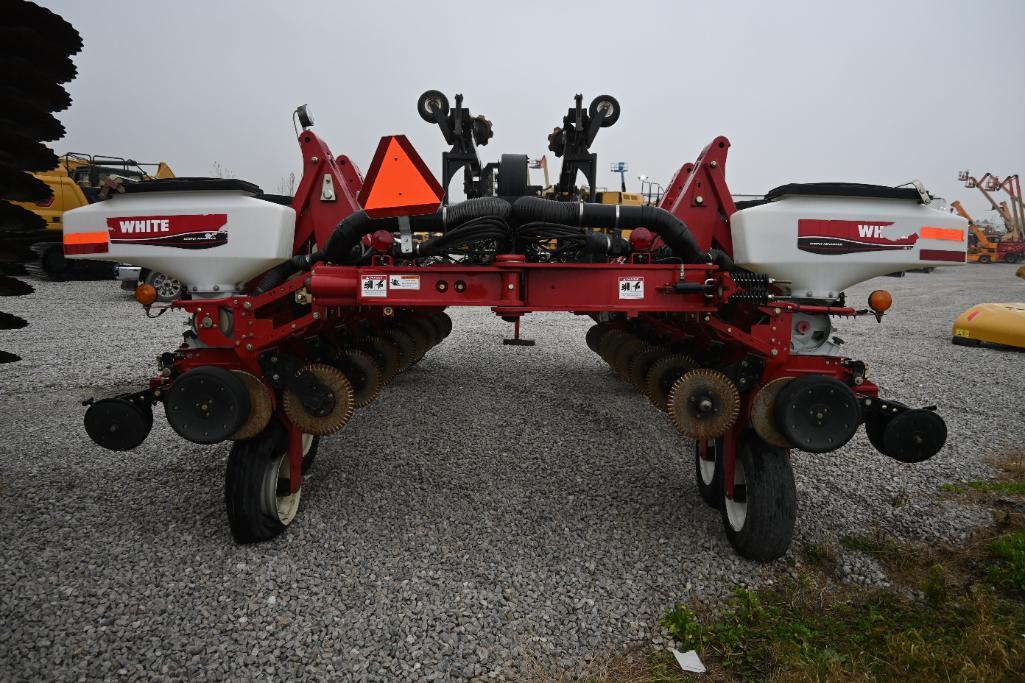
{"x": 399, "y": 182}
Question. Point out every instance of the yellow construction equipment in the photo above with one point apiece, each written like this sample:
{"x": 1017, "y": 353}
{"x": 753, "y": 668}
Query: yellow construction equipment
{"x": 992, "y": 324}
{"x": 78, "y": 180}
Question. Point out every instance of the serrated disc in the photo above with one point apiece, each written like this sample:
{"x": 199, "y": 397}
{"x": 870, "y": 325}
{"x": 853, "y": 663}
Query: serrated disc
{"x": 689, "y": 393}
{"x": 339, "y": 385}
{"x": 363, "y": 373}
{"x": 261, "y": 406}
{"x": 763, "y": 417}
{"x": 662, "y": 374}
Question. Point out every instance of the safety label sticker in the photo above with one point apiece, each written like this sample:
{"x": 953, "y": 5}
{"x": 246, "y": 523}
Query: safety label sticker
{"x": 404, "y": 282}
{"x": 375, "y": 285}
{"x": 631, "y": 288}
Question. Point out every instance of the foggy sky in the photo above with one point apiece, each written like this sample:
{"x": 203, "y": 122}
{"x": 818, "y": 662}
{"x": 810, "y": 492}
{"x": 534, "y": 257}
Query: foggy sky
{"x": 879, "y": 92}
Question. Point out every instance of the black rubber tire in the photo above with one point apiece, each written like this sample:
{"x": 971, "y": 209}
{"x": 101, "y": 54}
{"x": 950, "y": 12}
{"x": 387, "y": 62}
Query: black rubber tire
{"x": 513, "y": 175}
{"x": 310, "y": 455}
{"x": 710, "y": 491}
{"x": 592, "y": 109}
{"x": 771, "y": 501}
{"x": 431, "y": 115}
{"x": 54, "y": 265}
{"x": 985, "y": 259}
{"x": 965, "y": 341}
{"x": 406, "y": 345}
{"x": 164, "y": 294}
{"x": 249, "y": 492}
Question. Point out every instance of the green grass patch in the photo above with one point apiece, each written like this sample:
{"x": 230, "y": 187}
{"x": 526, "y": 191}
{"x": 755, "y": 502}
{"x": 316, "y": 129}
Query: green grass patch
{"x": 953, "y": 614}
{"x": 1012, "y": 488}
{"x": 1008, "y": 570}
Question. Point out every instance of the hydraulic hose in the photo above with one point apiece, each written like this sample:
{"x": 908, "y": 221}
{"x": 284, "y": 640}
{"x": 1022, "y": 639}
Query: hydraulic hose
{"x": 613, "y": 216}
{"x": 354, "y": 226}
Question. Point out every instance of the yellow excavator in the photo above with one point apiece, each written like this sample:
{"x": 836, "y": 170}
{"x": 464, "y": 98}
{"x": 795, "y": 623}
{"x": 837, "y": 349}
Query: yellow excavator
{"x": 78, "y": 180}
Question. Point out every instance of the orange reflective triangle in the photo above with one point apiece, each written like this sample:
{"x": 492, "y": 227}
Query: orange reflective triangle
{"x": 399, "y": 182}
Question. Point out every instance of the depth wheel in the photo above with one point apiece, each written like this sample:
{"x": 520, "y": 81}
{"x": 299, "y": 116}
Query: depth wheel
{"x": 256, "y": 486}
{"x": 760, "y": 518}
{"x": 708, "y": 472}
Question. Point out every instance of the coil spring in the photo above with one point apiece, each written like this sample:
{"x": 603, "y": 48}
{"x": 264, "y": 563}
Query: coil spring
{"x": 754, "y": 287}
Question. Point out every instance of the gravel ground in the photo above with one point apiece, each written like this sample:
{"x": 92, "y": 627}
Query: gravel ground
{"x": 498, "y": 508}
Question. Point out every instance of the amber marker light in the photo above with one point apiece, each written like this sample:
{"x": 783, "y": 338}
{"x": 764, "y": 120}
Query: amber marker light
{"x": 880, "y": 301}
{"x": 146, "y": 294}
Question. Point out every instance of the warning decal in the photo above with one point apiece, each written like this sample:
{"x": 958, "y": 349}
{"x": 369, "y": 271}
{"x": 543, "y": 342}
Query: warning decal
{"x": 404, "y": 282}
{"x": 375, "y": 286}
{"x": 631, "y": 288}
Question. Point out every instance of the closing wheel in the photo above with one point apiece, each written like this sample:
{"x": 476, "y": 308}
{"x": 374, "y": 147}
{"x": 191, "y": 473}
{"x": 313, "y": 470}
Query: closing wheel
{"x": 432, "y": 106}
{"x": 703, "y": 404}
{"x": 760, "y": 518}
{"x": 207, "y": 404}
{"x": 662, "y": 374}
{"x": 817, "y": 413}
{"x": 118, "y": 424}
{"x": 364, "y": 374}
{"x": 257, "y": 493}
{"x": 606, "y": 107}
{"x": 914, "y": 435}
{"x": 763, "y": 415}
{"x": 708, "y": 471}
{"x": 385, "y": 351}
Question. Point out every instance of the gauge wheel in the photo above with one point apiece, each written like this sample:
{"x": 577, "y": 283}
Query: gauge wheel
{"x": 168, "y": 288}
{"x": 606, "y": 107}
{"x": 257, "y": 494}
{"x": 708, "y": 472}
{"x": 759, "y": 520}
{"x": 432, "y": 106}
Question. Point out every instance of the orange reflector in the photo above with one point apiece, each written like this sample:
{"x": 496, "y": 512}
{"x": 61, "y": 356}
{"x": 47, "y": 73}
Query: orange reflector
{"x": 146, "y": 294}
{"x": 949, "y": 234}
{"x": 86, "y": 242}
{"x": 880, "y": 300}
{"x": 99, "y": 237}
{"x": 399, "y": 182}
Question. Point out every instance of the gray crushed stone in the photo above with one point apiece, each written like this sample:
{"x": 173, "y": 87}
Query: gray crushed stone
{"x": 498, "y": 507}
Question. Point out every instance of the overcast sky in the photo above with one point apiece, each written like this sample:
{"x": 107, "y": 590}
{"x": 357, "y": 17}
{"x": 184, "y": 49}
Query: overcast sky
{"x": 880, "y": 92}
